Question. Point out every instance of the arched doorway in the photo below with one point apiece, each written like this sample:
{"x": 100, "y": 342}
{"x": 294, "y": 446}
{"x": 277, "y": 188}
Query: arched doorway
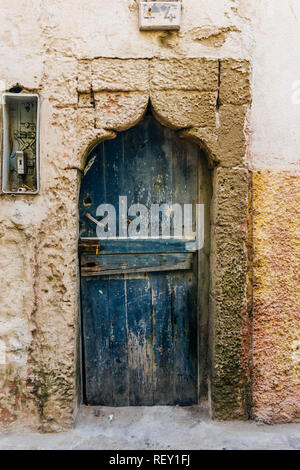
{"x": 143, "y": 293}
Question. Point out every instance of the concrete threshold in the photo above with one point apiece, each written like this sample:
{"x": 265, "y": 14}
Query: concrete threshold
{"x": 157, "y": 427}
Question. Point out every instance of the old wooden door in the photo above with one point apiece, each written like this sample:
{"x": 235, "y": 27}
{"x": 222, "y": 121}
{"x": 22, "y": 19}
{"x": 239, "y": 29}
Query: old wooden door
{"x": 139, "y": 297}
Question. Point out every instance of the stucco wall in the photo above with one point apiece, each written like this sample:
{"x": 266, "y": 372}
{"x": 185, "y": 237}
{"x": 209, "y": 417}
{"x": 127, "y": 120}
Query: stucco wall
{"x": 45, "y": 46}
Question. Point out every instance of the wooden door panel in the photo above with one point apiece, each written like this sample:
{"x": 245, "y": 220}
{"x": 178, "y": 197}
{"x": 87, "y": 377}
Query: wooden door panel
{"x": 140, "y": 339}
{"x": 139, "y": 296}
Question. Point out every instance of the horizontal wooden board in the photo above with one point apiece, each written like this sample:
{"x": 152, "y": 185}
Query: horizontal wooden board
{"x": 157, "y": 245}
{"x": 100, "y": 265}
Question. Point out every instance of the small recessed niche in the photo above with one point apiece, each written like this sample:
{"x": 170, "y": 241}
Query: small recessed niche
{"x": 20, "y": 163}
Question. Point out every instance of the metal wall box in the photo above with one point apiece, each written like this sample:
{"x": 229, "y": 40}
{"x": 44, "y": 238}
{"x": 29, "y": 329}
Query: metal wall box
{"x": 160, "y": 16}
{"x": 20, "y": 162}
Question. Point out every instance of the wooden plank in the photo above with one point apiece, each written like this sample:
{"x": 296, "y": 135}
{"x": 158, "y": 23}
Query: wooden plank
{"x": 160, "y": 152}
{"x": 163, "y": 340}
{"x": 140, "y": 353}
{"x": 137, "y": 162}
{"x": 119, "y": 379}
{"x": 159, "y": 245}
{"x": 96, "y": 334}
{"x": 185, "y": 339}
{"x": 92, "y": 190}
{"x": 114, "y": 264}
{"x": 148, "y": 269}
{"x": 114, "y": 172}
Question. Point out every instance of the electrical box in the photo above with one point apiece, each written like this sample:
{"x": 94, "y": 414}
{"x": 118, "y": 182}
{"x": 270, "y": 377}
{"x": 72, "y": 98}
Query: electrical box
{"x": 160, "y": 16}
{"x": 20, "y": 164}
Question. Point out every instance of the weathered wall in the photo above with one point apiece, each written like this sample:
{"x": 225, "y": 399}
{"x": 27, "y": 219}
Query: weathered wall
{"x": 276, "y": 339}
{"x": 62, "y": 50}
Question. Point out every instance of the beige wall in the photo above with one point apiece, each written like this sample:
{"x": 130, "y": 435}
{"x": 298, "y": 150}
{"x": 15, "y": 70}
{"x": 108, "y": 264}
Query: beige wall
{"x": 40, "y": 44}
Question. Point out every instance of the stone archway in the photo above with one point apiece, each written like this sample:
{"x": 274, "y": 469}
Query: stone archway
{"x": 169, "y": 365}
{"x": 205, "y": 100}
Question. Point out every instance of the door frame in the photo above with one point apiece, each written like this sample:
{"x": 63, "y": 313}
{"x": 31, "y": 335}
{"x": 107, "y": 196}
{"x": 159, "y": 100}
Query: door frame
{"x": 219, "y": 130}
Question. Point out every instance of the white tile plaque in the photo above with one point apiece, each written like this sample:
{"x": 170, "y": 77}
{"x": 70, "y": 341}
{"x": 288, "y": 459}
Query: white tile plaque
{"x": 160, "y": 15}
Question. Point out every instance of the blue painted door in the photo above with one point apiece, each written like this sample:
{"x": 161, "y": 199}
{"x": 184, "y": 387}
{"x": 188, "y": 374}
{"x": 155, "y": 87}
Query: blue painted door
{"x": 139, "y": 296}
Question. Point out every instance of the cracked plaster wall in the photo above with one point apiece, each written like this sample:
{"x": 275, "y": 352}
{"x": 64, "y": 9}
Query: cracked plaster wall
{"x": 64, "y": 51}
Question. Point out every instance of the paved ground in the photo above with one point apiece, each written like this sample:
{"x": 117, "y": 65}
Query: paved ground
{"x": 160, "y": 428}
